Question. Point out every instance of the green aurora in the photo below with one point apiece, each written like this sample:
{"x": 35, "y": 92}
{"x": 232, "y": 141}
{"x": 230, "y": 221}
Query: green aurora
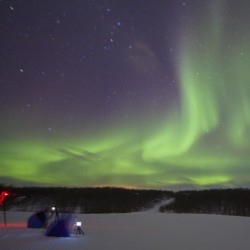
{"x": 201, "y": 141}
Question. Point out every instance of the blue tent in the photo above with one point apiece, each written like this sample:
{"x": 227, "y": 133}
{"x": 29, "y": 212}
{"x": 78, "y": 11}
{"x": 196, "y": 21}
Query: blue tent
{"x": 60, "y": 227}
{"x": 37, "y": 220}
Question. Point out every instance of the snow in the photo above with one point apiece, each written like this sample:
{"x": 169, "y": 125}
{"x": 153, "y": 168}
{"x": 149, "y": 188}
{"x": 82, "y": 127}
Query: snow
{"x": 134, "y": 231}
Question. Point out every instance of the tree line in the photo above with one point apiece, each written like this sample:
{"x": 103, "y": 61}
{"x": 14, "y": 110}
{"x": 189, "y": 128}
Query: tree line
{"x": 82, "y": 200}
{"x": 216, "y": 201}
{"x": 119, "y": 200}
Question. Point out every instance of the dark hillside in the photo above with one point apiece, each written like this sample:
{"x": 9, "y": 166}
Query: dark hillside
{"x": 215, "y": 201}
{"x": 83, "y": 200}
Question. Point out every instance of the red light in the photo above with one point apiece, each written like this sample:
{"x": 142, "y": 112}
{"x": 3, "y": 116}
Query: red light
{"x": 2, "y": 197}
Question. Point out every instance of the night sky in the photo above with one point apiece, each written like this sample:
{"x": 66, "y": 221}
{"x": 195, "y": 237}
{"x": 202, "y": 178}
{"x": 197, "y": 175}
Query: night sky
{"x": 130, "y": 93}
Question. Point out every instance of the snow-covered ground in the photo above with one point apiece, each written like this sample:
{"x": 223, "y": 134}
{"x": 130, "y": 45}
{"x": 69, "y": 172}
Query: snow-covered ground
{"x": 133, "y": 231}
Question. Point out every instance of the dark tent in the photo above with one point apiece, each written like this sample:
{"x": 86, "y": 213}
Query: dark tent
{"x": 60, "y": 227}
{"x": 37, "y": 220}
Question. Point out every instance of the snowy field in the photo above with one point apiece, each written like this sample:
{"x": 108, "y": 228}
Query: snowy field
{"x": 133, "y": 231}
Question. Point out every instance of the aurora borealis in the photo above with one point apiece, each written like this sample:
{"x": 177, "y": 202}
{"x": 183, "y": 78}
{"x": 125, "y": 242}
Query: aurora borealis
{"x": 134, "y": 93}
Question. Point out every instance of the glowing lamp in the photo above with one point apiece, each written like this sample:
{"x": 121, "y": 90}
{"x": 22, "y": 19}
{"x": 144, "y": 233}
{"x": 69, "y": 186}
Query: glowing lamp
{"x": 78, "y": 229}
{"x": 53, "y": 208}
{"x": 78, "y": 223}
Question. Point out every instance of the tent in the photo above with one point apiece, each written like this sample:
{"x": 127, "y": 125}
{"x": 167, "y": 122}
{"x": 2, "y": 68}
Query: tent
{"x": 60, "y": 227}
{"x": 37, "y": 220}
